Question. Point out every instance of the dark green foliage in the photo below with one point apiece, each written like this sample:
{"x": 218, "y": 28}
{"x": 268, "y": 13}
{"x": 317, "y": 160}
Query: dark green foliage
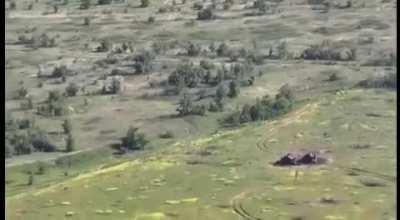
{"x": 218, "y": 104}
{"x": 333, "y": 77}
{"x": 261, "y": 6}
{"x": 166, "y": 134}
{"x": 151, "y": 19}
{"x": 263, "y": 109}
{"x": 31, "y": 179}
{"x": 45, "y": 41}
{"x": 222, "y": 50}
{"x": 21, "y": 142}
{"x": 133, "y": 140}
{"x": 191, "y": 75}
{"x": 22, "y": 92}
{"x": 67, "y": 126}
{"x": 234, "y": 89}
{"x": 54, "y": 104}
{"x": 61, "y": 71}
{"x": 144, "y": 3}
{"x": 84, "y": 4}
{"x": 69, "y": 143}
{"x": 205, "y": 14}
{"x": 207, "y": 65}
{"x": 105, "y": 46}
{"x": 86, "y": 21}
{"x": 13, "y": 5}
{"x": 41, "y": 169}
{"x": 186, "y": 106}
{"x": 143, "y": 62}
{"x": 193, "y": 50}
{"x": 40, "y": 142}
{"x": 104, "y": 2}
{"x": 285, "y": 91}
{"x": 327, "y": 51}
{"x": 72, "y": 89}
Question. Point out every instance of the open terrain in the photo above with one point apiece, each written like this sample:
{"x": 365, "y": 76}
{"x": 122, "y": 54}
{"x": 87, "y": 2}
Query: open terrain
{"x": 203, "y": 170}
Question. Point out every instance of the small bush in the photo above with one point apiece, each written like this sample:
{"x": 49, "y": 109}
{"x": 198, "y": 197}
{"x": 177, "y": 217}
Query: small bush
{"x": 134, "y": 140}
{"x": 193, "y": 50}
{"x": 84, "y": 4}
{"x": 69, "y": 143}
{"x": 151, "y": 19}
{"x": 104, "y": 2}
{"x": 144, "y": 3}
{"x": 166, "y": 134}
{"x": 205, "y": 14}
{"x": 72, "y": 89}
{"x": 86, "y": 21}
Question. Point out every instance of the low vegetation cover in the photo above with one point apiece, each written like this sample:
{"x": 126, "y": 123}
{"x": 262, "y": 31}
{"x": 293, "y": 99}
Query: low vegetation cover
{"x": 143, "y": 109}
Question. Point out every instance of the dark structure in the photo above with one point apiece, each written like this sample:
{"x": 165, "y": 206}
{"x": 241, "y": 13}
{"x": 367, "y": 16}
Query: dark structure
{"x": 291, "y": 159}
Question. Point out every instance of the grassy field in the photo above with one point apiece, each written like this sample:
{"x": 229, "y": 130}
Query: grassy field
{"x": 229, "y": 174}
{"x": 205, "y": 171}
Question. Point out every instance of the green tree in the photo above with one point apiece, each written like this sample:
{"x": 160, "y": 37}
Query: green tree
{"x": 234, "y": 89}
{"x": 31, "y": 179}
{"x": 219, "y": 97}
{"x": 69, "y": 143}
{"x": 67, "y": 126}
{"x": 71, "y": 89}
{"x": 185, "y": 105}
{"x": 84, "y": 4}
{"x": 133, "y": 139}
{"x": 144, "y": 3}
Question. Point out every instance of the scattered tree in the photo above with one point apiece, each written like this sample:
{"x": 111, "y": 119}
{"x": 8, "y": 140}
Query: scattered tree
{"x": 69, "y": 143}
{"x": 134, "y": 140}
{"x": 72, "y": 89}
{"x": 233, "y": 89}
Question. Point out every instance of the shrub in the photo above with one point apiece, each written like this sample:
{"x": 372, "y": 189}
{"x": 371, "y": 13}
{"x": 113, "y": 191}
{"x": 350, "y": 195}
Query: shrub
{"x": 67, "y": 126}
{"x": 22, "y": 92}
{"x": 144, "y": 3}
{"x": 143, "y": 62}
{"x": 40, "y": 142}
{"x": 13, "y": 5}
{"x": 21, "y": 143}
{"x": 193, "y": 50}
{"x": 134, "y": 140}
{"x": 205, "y": 14}
{"x": 187, "y": 74}
{"x": 151, "y": 19}
{"x": 166, "y": 134}
{"x": 61, "y": 71}
{"x": 207, "y": 65}
{"x": 27, "y": 104}
{"x": 222, "y": 50}
{"x": 285, "y": 91}
{"x": 69, "y": 143}
{"x": 104, "y": 2}
{"x": 185, "y": 105}
{"x": 86, "y": 21}
{"x": 333, "y": 77}
{"x": 30, "y": 179}
{"x": 72, "y": 89}
{"x": 234, "y": 89}
{"x": 84, "y": 4}
{"x": 198, "y": 6}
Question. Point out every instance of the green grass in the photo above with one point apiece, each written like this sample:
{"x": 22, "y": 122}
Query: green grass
{"x": 238, "y": 175}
